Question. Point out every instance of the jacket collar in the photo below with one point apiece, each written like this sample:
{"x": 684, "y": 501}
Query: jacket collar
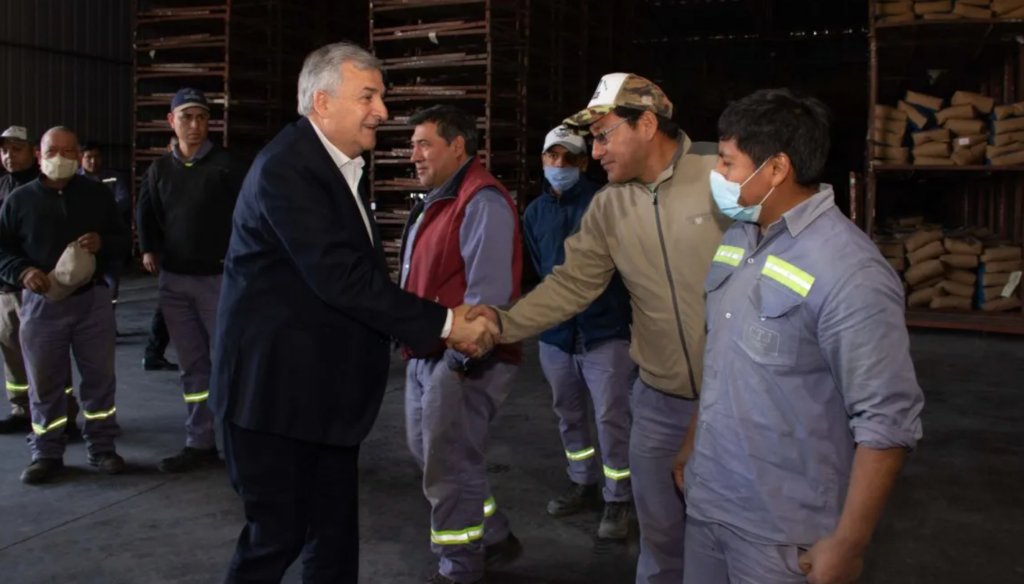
{"x": 799, "y": 217}
{"x": 684, "y": 147}
{"x": 450, "y": 188}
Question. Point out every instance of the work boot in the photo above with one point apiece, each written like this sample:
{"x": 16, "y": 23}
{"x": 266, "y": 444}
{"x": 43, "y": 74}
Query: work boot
{"x": 190, "y": 459}
{"x": 576, "y": 498}
{"x": 41, "y": 470}
{"x": 109, "y": 463}
{"x": 615, "y": 522}
{"x": 503, "y": 552}
{"x": 15, "y": 425}
{"x": 158, "y": 364}
{"x": 439, "y": 579}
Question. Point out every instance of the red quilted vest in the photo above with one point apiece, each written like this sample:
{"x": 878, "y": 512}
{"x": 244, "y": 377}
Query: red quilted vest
{"x": 437, "y": 271}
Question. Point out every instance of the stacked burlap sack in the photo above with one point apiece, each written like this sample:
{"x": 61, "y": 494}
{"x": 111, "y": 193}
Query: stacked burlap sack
{"x": 896, "y": 11}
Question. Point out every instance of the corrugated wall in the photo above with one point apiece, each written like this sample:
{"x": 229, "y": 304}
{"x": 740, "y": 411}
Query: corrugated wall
{"x": 69, "y": 62}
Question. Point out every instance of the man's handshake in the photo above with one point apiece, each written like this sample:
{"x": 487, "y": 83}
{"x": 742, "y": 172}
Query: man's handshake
{"x": 475, "y": 330}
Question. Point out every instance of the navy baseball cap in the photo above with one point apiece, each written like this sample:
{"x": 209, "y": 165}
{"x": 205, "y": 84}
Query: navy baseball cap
{"x": 188, "y": 97}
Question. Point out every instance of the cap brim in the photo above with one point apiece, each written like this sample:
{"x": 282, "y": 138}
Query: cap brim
{"x": 188, "y": 105}
{"x": 6, "y": 139}
{"x": 573, "y": 148}
{"x": 579, "y": 124}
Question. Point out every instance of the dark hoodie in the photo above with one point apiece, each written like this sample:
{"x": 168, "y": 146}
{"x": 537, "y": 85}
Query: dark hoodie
{"x": 9, "y": 182}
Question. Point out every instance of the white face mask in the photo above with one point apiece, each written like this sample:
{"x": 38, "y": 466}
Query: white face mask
{"x": 58, "y": 168}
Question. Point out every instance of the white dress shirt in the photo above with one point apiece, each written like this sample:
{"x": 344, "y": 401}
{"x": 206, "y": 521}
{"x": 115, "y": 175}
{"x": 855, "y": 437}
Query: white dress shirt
{"x": 352, "y": 170}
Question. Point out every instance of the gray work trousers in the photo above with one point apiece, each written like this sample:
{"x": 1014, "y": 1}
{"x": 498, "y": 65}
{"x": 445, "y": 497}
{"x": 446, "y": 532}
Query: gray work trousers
{"x": 14, "y": 360}
{"x": 447, "y": 423}
{"x": 189, "y": 305}
{"x": 660, "y": 422}
{"x": 717, "y": 555}
{"x": 83, "y": 323}
{"x": 604, "y": 373}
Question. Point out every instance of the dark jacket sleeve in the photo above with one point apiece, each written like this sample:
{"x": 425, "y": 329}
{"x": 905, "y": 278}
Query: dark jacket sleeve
{"x": 529, "y": 218}
{"x": 148, "y": 213}
{"x": 330, "y": 259}
{"x": 116, "y": 238}
{"x": 13, "y": 261}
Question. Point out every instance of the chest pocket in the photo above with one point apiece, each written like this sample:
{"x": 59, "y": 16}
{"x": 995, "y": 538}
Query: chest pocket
{"x": 713, "y": 284}
{"x": 771, "y": 329}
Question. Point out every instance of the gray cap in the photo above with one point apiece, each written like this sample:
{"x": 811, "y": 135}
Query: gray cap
{"x": 15, "y": 134}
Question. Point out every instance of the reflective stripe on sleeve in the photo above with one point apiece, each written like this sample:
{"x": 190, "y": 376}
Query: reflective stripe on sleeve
{"x": 16, "y": 387}
{"x": 490, "y": 507}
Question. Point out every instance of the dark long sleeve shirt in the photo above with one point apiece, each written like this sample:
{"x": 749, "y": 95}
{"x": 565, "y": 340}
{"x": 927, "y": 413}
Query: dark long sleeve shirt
{"x": 37, "y": 223}
{"x": 185, "y": 209}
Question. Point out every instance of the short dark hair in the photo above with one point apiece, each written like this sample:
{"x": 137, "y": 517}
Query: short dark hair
{"x": 87, "y": 146}
{"x": 770, "y": 122}
{"x": 452, "y": 122}
{"x": 632, "y": 115}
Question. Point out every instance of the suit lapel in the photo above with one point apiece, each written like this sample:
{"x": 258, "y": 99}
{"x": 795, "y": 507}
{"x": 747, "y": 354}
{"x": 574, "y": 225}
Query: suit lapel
{"x": 364, "y": 196}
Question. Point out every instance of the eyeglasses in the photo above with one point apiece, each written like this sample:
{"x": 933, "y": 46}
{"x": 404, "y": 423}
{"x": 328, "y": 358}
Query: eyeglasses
{"x": 602, "y": 137}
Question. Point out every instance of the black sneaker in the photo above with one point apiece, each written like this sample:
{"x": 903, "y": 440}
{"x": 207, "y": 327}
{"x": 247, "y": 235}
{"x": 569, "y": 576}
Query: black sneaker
{"x": 109, "y": 463}
{"x": 615, "y": 522}
{"x": 15, "y": 425}
{"x": 190, "y": 459}
{"x": 439, "y": 579}
{"x": 503, "y": 552}
{"x": 41, "y": 470}
{"x": 576, "y": 498}
{"x": 158, "y": 364}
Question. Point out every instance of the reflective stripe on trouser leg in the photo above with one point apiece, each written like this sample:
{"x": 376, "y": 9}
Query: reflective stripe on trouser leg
{"x": 608, "y": 370}
{"x": 189, "y": 306}
{"x": 659, "y": 427}
{"x": 46, "y": 332}
{"x": 455, "y": 418}
{"x": 10, "y": 346}
{"x": 569, "y": 402}
{"x": 93, "y": 343}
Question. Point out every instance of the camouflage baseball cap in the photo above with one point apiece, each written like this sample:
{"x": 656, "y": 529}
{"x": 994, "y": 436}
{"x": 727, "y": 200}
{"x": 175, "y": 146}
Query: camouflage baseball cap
{"x": 620, "y": 89}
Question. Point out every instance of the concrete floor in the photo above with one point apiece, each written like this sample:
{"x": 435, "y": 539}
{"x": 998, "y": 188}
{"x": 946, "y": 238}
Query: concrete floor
{"x": 957, "y": 515}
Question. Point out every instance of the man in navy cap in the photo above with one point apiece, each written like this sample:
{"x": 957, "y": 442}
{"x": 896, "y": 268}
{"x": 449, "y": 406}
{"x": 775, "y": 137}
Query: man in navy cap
{"x": 184, "y": 220}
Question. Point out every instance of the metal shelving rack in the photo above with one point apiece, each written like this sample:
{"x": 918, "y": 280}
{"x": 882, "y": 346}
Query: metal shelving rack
{"x": 469, "y": 53}
{"x": 984, "y": 56}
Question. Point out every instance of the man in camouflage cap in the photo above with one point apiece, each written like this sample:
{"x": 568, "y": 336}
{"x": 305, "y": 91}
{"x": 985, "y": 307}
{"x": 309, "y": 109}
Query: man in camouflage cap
{"x": 657, "y": 225}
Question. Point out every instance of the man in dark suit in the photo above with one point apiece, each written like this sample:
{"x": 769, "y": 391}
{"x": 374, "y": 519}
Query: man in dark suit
{"x": 306, "y": 318}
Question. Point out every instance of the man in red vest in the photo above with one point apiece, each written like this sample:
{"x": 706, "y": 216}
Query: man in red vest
{"x": 462, "y": 245}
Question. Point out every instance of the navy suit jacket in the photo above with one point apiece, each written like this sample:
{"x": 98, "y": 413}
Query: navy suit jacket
{"x": 307, "y": 308}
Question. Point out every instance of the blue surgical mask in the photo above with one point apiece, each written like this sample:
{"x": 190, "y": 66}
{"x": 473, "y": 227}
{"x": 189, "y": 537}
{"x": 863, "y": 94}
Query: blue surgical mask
{"x": 727, "y": 197}
{"x": 563, "y": 178}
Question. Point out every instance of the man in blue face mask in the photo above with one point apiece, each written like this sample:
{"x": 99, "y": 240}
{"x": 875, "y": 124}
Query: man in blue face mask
{"x": 809, "y": 400}
{"x": 588, "y": 354}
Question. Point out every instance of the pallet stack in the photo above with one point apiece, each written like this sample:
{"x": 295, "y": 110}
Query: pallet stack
{"x": 900, "y": 11}
{"x": 962, "y": 269}
{"x": 467, "y": 53}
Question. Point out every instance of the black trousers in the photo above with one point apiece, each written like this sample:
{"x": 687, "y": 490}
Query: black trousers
{"x": 159, "y": 338}
{"x": 299, "y": 497}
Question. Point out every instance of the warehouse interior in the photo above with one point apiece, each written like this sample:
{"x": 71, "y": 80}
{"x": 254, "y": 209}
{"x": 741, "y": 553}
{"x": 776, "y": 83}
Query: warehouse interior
{"x": 927, "y": 157}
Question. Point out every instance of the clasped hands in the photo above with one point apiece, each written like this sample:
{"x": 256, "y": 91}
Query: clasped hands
{"x": 475, "y": 330}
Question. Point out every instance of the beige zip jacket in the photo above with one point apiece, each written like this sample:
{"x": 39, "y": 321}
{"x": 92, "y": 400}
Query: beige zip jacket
{"x": 661, "y": 238}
